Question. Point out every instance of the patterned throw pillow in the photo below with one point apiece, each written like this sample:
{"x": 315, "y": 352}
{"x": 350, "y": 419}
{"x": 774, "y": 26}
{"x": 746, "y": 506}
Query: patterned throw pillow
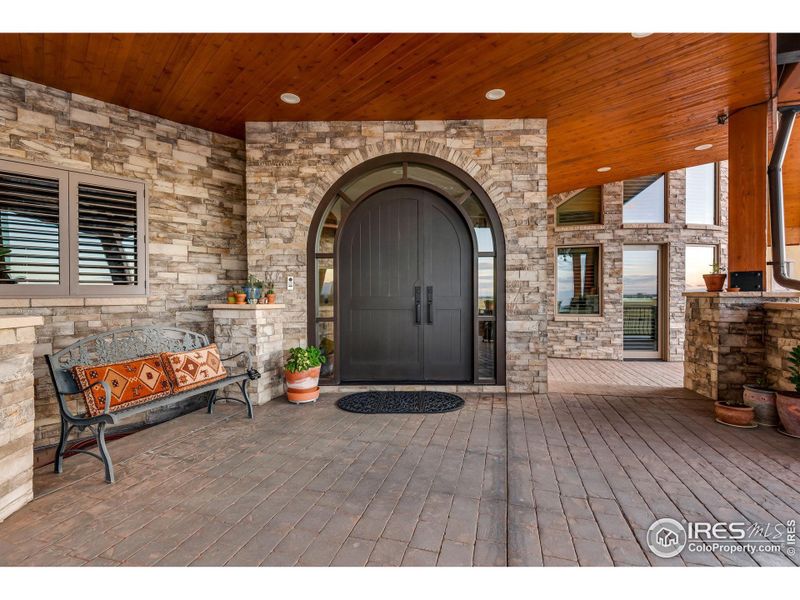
{"x": 132, "y": 382}
{"x": 193, "y": 368}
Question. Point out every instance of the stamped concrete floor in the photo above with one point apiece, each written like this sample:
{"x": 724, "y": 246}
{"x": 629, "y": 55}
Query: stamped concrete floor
{"x": 558, "y": 479}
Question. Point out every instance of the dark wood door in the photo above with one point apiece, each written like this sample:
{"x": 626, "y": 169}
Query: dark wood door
{"x": 405, "y": 297}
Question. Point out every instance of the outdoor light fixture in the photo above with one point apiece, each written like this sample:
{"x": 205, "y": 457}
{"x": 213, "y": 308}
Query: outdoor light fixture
{"x": 495, "y": 94}
{"x": 290, "y": 98}
{"x": 703, "y": 146}
{"x": 640, "y": 35}
{"x": 603, "y": 169}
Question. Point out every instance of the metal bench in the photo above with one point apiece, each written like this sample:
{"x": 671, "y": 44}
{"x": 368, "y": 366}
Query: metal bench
{"x": 125, "y": 344}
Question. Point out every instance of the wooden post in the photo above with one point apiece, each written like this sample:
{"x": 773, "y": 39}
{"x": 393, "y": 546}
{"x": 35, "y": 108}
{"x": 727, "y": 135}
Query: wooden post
{"x": 747, "y": 189}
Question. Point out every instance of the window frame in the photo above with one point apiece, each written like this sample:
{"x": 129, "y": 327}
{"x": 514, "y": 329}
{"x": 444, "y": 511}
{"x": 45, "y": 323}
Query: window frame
{"x": 69, "y": 286}
{"x": 584, "y": 226}
{"x": 598, "y": 316}
{"x": 667, "y": 215}
{"x": 717, "y": 201}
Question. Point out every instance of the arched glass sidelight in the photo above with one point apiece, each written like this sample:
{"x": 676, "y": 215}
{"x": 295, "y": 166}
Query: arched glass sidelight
{"x": 478, "y": 212}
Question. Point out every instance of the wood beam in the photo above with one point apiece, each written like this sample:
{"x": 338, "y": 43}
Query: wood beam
{"x": 747, "y": 189}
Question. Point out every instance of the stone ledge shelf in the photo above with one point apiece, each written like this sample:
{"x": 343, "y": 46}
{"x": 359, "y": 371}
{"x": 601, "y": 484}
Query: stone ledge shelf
{"x": 259, "y": 329}
{"x": 17, "y": 340}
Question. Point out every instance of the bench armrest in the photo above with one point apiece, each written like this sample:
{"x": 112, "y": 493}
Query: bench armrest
{"x": 106, "y": 389}
{"x": 251, "y": 372}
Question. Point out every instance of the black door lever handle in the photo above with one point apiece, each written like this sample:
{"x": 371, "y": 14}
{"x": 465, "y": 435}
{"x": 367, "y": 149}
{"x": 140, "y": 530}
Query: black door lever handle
{"x": 430, "y": 305}
{"x": 417, "y": 305}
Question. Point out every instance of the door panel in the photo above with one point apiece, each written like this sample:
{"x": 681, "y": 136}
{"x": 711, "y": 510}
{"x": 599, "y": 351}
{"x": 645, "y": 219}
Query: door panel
{"x": 396, "y": 241}
{"x": 448, "y": 279}
{"x": 641, "y": 302}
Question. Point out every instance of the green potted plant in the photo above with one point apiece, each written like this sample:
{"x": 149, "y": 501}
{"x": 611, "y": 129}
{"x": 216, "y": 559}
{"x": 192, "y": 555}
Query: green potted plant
{"x": 271, "y": 293}
{"x": 231, "y": 297}
{"x": 715, "y": 281}
{"x": 762, "y": 400}
{"x": 302, "y": 374}
{"x": 253, "y": 289}
{"x": 788, "y": 402}
{"x": 241, "y": 297}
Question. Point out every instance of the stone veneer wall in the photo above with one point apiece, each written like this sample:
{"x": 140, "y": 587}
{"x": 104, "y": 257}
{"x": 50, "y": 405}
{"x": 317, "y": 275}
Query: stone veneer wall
{"x": 725, "y": 341}
{"x": 17, "y": 339}
{"x": 290, "y": 166}
{"x": 195, "y": 193}
{"x": 602, "y": 337}
{"x": 782, "y": 333}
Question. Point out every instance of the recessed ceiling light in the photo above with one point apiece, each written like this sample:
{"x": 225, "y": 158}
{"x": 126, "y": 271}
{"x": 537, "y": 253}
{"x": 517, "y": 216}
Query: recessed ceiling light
{"x": 290, "y": 98}
{"x": 603, "y": 169}
{"x": 639, "y": 36}
{"x": 495, "y": 94}
{"x": 703, "y": 146}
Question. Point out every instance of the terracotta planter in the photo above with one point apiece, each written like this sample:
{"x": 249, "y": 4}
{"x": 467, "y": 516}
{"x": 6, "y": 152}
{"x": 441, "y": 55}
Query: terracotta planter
{"x": 232, "y": 299}
{"x": 739, "y": 416}
{"x": 271, "y": 298}
{"x": 302, "y": 386}
{"x": 241, "y": 298}
{"x": 763, "y": 403}
{"x": 788, "y": 405}
{"x": 715, "y": 282}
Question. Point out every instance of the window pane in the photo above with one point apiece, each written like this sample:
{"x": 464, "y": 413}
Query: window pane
{"x": 372, "y": 179}
{"x": 643, "y": 199}
{"x": 701, "y": 194}
{"x": 486, "y": 345}
{"x": 325, "y": 343}
{"x": 486, "y": 286}
{"x": 330, "y": 224}
{"x": 438, "y": 178}
{"x": 107, "y": 224}
{"x": 577, "y": 281}
{"x": 325, "y": 283}
{"x": 29, "y": 234}
{"x": 699, "y": 260}
{"x": 582, "y": 209}
{"x": 480, "y": 221}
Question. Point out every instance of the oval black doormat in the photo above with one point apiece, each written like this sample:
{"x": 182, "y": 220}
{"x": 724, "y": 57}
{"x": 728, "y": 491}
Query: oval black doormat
{"x": 400, "y": 402}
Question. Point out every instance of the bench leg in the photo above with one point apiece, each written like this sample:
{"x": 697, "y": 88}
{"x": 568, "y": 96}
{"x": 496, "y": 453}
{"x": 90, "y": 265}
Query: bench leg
{"x": 246, "y": 396}
{"x": 62, "y": 445}
{"x": 101, "y": 445}
{"x": 212, "y": 397}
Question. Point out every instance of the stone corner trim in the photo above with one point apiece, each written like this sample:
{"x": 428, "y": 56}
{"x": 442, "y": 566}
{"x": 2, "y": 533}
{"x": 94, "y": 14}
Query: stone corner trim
{"x": 17, "y": 341}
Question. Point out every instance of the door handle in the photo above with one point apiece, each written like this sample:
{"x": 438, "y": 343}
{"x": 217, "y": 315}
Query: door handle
{"x": 430, "y": 305}
{"x": 417, "y": 305}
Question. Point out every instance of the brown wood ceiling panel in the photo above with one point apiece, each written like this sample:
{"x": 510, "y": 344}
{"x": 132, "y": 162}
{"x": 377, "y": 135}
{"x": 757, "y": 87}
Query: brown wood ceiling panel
{"x": 639, "y": 106}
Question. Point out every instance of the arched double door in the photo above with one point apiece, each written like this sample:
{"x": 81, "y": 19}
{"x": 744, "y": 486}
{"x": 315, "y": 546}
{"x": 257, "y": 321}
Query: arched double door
{"x": 406, "y": 289}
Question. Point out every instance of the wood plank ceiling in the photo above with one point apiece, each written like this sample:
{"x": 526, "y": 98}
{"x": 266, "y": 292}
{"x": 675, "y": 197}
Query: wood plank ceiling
{"x": 639, "y": 106}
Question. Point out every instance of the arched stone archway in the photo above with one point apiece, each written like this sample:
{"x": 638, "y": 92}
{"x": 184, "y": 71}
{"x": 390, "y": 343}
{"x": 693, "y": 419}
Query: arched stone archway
{"x": 291, "y": 166}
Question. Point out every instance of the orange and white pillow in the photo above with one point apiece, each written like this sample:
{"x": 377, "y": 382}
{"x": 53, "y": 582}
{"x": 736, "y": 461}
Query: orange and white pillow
{"x": 193, "y": 368}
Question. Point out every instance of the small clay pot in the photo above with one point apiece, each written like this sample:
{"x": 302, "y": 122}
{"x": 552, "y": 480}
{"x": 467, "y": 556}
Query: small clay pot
{"x": 715, "y": 282}
{"x": 231, "y": 298}
{"x": 763, "y": 403}
{"x": 271, "y": 298}
{"x": 733, "y": 290}
{"x": 241, "y": 298}
{"x": 739, "y": 416}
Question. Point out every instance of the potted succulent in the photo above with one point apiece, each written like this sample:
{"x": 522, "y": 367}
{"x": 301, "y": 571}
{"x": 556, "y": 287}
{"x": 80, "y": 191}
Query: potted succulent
{"x": 788, "y": 403}
{"x": 271, "y": 293}
{"x": 735, "y": 413}
{"x": 232, "y": 297}
{"x": 762, "y": 400}
{"x": 302, "y": 374}
{"x": 715, "y": 281}
{"x": 253, "y": 289}
{"x": 241, "y": 297}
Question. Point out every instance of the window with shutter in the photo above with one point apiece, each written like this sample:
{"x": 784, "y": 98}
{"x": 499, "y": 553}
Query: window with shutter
{"x": 644, "y": 199}
{"x": 67, "y": 233}
{"x": 584, "y": 208}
